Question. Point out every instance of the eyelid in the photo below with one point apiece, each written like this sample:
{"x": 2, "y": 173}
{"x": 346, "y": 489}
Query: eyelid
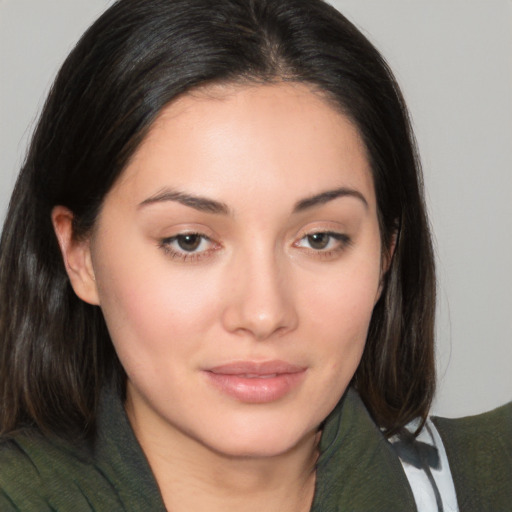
{"x": 164, "y": 243}
{"x": 327, "y": 227}
{"x": 342, "y": 237}
{"x": 176, "y": 237}
{"x": 337, "y": 232}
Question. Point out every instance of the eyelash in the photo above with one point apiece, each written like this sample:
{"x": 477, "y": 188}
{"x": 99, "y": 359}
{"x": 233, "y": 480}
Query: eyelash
{"x": 166, "y": 244}
{"x": 342, "y": 242}
{"x": 182, "y": 254}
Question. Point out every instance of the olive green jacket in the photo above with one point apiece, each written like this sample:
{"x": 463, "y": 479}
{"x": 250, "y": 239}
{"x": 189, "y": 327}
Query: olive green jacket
{"x": 358, "y": 469}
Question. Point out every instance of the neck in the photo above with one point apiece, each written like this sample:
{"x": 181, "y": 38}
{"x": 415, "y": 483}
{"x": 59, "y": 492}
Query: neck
{"x": 193, "y": 477}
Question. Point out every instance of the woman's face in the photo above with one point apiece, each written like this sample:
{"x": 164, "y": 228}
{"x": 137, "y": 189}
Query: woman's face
{"x": 237, "y": 262}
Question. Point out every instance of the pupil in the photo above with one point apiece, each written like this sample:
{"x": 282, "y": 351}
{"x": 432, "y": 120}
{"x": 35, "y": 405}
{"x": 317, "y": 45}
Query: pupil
{"x": 189, "y": 242}
{"x": 318, "y": 240}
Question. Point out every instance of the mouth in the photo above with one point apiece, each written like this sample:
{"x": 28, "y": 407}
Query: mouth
{"x": 256, "y": 382}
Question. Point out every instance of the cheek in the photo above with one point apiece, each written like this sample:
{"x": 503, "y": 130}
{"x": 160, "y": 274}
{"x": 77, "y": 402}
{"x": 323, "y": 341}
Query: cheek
{"x": 340, "y": 310}
{"x": 152, "y": 312}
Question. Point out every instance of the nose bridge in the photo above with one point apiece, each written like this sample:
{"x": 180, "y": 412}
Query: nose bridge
{"x": 261, "y": 302}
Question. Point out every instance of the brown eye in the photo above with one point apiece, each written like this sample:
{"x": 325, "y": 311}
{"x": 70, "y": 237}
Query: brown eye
{"x": 324, "y": 241}
{"x": 191, "y": 247}
{"x": 189, "y": 243}
{"x": 319, "y": 241}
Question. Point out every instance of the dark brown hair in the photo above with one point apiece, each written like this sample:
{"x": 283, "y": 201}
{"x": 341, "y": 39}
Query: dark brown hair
{"x": 55, "y": 350}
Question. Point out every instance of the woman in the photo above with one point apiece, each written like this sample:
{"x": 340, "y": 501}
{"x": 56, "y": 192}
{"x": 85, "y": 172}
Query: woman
{"x": 217, "y": 278}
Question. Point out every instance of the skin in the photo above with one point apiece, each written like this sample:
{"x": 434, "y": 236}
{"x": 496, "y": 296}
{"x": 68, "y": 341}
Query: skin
{"x": 268, "y": 276}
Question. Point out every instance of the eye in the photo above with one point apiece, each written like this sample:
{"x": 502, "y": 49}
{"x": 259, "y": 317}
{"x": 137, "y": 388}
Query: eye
{"x": 324, "y": 241}
{"x": 187, "y": 245}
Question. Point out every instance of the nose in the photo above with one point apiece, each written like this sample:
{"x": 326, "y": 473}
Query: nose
{"x": 260, "y": 299}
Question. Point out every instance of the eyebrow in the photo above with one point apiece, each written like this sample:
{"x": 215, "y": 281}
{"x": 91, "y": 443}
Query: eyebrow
{"x": 329, "y": 195}
{"x": 199, "y": 203}
{"x": 204, "y": 204}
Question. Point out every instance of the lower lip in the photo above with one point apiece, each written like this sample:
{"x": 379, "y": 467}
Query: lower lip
{"x": 258, "y": 390}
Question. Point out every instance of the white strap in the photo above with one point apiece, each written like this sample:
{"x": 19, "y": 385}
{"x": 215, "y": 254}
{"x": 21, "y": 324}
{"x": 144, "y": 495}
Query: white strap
{"x": 426, "y": 466}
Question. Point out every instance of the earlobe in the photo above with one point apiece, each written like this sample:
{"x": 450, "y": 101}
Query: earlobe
{"x": 76, "y": 255}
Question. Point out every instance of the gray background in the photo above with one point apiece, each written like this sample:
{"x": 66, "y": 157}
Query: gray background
{"x": 453, "y": 59}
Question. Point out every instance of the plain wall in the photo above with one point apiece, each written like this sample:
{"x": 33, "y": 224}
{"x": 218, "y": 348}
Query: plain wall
{"x": 453, "y": 59}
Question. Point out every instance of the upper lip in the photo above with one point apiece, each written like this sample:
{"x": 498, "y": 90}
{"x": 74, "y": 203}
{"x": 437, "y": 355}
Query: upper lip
{"x": 256, "y": 368}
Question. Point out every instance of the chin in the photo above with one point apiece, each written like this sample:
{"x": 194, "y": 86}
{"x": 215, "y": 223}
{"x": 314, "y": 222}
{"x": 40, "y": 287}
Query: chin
{"x": 259, "y": 441}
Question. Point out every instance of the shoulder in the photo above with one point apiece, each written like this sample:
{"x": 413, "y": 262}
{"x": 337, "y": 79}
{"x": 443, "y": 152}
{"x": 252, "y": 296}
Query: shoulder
{"x": 479, "y": 450}
{"x": 497, "y": 421}
{"x": 40, "y": 475}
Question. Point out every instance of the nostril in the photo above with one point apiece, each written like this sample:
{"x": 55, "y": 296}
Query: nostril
{"x": 260, "y": 323}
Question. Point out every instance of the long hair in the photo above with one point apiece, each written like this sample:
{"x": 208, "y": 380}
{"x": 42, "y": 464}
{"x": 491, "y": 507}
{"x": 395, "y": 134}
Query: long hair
{"x": 55, "y": 350}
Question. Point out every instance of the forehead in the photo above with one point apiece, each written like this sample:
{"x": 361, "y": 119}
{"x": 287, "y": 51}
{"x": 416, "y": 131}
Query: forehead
{"x": 250, "y": 137}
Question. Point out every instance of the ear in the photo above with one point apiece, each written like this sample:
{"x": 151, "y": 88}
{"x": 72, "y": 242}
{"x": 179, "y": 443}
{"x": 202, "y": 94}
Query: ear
{"x": 387, "y": 256}
{"x": 386, "y": 259}
{"x": 76, "y": 255}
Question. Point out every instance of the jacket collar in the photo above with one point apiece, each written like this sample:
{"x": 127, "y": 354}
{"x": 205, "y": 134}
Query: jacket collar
{"x": 357, "y": 469}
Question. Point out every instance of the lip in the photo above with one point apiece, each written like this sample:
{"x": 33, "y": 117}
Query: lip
{"x": 256, "y": 382}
